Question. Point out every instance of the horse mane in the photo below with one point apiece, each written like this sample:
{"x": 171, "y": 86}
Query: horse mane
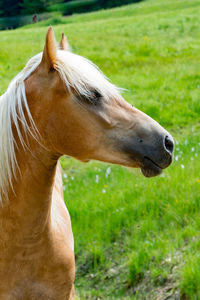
{"x": 13, "y": 105}
{"x": 78, "y": 74}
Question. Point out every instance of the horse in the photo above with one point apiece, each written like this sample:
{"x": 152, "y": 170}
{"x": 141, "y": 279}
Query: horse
{"x": 60, "y": 104}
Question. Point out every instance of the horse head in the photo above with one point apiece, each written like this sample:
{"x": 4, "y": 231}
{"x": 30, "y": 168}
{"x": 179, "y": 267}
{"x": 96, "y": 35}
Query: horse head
{"x": 78, "y": 112}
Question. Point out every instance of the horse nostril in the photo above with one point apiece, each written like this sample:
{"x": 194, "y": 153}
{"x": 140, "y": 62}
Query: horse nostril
{"x": 169, "y": 144}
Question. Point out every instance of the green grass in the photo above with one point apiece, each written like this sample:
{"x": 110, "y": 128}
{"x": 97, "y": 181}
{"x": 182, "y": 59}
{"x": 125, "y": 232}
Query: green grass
{"x": 135, "y": 238}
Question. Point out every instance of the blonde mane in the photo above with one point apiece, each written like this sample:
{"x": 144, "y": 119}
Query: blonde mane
{"x": 77, "y": 73}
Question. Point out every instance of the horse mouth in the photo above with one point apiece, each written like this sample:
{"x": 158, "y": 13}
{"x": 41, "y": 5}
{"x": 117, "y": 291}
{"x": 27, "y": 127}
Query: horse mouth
{"x": 150, "y": 168}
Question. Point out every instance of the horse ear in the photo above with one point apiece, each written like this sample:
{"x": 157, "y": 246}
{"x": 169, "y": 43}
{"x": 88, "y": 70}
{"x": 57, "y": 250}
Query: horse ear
{"x": 49, "y": 53}
{"x": 64, "y": 45}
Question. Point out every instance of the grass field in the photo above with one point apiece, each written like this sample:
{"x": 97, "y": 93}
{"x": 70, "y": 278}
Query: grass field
{"x": 135, "y": 238}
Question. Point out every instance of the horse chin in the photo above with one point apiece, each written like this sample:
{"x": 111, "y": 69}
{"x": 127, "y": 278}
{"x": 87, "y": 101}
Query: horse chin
{"x": 150, "y": 169}
{"x": 147, "y": 172}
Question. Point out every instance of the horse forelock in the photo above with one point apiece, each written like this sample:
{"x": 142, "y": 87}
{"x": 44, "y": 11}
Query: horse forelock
{"x": 81, "y": 75}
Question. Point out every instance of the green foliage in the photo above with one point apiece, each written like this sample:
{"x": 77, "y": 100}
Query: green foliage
{"x": 1, "y": 7}
{"x": 113, "y": 3}
{"x": 60, "y": 7}
{"x": 18, "y": 21}
{"x": 10, "y": 8}
{"x": 18, "y": 8}
{"x": 35, "y": 6}
{"x": 77, "y": 6}
{"x": 80, "y": 6}
{"x": 14, "y": 22}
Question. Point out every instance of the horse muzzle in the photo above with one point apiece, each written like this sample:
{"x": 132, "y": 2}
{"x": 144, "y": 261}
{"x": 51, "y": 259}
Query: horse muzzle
{"x": 156, "y": 160}
{"x": 153, "y": 154}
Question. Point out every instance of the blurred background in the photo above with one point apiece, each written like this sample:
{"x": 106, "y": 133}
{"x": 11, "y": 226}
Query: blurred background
{"x": 135, "y": 238}
{"x": 16, "y": 13}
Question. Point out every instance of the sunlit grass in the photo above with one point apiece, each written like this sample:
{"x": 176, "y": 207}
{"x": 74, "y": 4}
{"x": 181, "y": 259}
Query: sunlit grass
{"x": 139, "y": 225}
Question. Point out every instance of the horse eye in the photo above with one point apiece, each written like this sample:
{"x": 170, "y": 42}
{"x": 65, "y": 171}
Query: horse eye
{"x": 96, "y": 94}
{"x": 95, "y": 97}
{"x": 92, "y": 98}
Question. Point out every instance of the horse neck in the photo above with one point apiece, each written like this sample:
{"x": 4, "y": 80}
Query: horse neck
{"x": 29, "y": 206}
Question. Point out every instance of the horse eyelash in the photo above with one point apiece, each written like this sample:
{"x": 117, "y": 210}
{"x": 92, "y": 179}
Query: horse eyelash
{"x": 93, "y": 97}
